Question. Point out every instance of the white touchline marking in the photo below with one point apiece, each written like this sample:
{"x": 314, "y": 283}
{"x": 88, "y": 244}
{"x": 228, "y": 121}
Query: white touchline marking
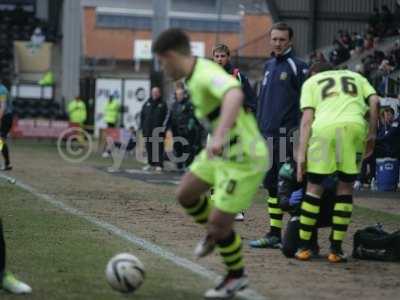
{"x": 132, "y": 238}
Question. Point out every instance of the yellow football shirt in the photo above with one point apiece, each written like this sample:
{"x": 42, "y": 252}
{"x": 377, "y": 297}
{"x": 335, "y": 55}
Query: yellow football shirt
{"x": 337, "y": 97}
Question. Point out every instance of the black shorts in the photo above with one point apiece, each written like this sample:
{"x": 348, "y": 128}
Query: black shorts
{"x": 319, "y": 178}
{"x": 5, "y": 126}
{"x": 280, "y": 151}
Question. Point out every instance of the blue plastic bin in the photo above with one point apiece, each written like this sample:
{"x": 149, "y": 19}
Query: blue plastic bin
{"x": 387, "y": 174}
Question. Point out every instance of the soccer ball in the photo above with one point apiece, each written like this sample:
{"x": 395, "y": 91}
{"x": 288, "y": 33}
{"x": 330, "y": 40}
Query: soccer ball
{"x": 125, "y": 273}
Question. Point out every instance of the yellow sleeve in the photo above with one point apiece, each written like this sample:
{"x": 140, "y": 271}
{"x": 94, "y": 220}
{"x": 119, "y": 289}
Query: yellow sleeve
{"x": 70, "y": 107}
{"x": 367, "y": 88}
{"x": 3, "y": 98}
{"x": 307, "y": 99}
{"x": 220, "y": 83}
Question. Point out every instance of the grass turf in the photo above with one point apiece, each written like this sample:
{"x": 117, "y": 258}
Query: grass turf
{"x": 63, "y": 257}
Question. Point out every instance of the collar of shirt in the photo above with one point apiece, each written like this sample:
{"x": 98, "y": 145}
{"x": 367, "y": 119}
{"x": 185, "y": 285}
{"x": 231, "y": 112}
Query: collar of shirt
{"x": 228, "y": 68}
{"x": 286, "y": 54}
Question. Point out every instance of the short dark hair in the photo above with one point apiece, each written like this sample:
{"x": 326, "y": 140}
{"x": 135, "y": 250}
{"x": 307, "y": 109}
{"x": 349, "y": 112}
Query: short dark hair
{"x": 172, "y": 39}
{"x": 319, "y": 67}
{"x": 389, "y": 109}
{"x": 282, "y": 27}
{"x": 221, "y": 48}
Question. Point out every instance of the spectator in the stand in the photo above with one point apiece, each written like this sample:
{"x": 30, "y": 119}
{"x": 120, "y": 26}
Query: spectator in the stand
{"x": 345, "y": 41}
{"x": 388, "y": 117}
{"x": 383, "y": 72}
{"x": 388, "y": 135}
{"x": 340, "y": 54}
{"x": 368, "y": 41}
{"x": 320, "y": 57}
{"x": 358, "y": 42}
{"x": 317, "y": 57}
{"x": 221, "y": 55}
{"x": 367, "y": 63}
{"x": 183, "y": 125}
{"x": 395, "y": 54}
{"x": 152, "y": 122}
{"x": 388, "y": 138}
{"x": 112, "y": 112}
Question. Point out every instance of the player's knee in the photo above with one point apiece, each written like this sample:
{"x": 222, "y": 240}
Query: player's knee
{"x": 218, "y": 233}
{"x": 184, "y": 197}
{"x": 344, "y": 188}
{"x": 180, "y": 196}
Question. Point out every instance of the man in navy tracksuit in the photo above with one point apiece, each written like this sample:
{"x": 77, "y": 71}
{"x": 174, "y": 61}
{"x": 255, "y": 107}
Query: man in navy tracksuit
{"x": 278, "y": 114}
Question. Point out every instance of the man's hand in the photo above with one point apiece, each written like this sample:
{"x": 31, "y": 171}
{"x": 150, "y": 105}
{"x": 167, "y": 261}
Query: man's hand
{"x": 370, "y": 145}
{"x": 215, "y": 147}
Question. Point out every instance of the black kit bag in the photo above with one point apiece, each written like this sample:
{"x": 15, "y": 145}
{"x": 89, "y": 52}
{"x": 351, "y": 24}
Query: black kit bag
{"x": 374, "y": 243}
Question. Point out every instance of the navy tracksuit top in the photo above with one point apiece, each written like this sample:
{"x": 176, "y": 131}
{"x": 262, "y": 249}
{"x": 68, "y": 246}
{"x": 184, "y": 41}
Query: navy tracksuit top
{"x": 279, "y": 98}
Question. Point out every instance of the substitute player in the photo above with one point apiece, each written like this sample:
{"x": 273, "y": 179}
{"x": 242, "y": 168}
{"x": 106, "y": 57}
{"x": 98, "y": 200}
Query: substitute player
{"x": 334, "y": 135}
{"x": 6, "y": 119}
{"x": 234, "y": 172}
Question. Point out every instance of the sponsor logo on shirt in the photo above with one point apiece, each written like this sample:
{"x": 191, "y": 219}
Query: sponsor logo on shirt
{"x": 218, "y": 81}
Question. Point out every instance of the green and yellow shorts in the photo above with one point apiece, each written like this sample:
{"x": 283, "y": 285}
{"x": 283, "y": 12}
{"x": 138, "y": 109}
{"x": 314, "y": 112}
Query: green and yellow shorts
{"x": 234, "y": 181}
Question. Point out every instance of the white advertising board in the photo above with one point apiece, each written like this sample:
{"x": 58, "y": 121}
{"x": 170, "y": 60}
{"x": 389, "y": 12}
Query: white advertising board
{"x": 136, "y": 92}
{"x": 105, "y": 88}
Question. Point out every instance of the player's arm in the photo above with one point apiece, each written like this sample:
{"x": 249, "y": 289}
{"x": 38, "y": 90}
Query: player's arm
{"x": 305, "y": 133}
{"x": 308, "y": 103}
{"x": 2, "y": 106}
{"x": 369, "y": 93}
{"x": 231, "y": 104}
{"x": 373, "y": 121}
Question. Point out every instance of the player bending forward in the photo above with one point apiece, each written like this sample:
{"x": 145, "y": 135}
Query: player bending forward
{"x": 233, "y": 163}
{"x": 333, "y": 136}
